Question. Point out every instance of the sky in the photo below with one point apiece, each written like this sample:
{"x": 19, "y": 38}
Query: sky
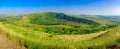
{"x": 91, "y": 7}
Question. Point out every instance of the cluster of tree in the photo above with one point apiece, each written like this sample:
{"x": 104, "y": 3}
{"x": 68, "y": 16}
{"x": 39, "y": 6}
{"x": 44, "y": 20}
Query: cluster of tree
{"x": 64, "y": 30}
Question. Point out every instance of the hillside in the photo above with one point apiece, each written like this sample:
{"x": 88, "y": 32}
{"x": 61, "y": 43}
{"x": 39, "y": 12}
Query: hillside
{"x": 52, "y": 18}
{"x": 50, "y": 30}
{"x": 34, "y": 39}
{"x": 59, "y": 23}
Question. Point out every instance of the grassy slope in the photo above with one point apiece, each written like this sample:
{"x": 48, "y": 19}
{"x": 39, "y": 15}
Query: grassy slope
{"x": 40, "y": 40}
{"x": 52, "y": 18}
{"x": 80, "y": 37}
{"x": 55, "y": 22}
{"x": 33, "y": 36}
{"x": 51, "y": 22}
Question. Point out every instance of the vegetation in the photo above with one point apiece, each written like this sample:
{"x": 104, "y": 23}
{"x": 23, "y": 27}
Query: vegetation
{"x": 51, "y": 18}
{"x": 39, "y": 40}
{"x": 54, "y": 23}
{"x": 50, "y": 30}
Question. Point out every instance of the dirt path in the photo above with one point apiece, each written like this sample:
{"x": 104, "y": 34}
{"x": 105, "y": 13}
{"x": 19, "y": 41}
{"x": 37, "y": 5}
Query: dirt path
{"x": 6, "y": 43}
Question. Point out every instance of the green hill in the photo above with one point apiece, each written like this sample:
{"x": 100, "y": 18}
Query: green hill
{"x": 59, "y": 23}
{"x": 52, "y": 18}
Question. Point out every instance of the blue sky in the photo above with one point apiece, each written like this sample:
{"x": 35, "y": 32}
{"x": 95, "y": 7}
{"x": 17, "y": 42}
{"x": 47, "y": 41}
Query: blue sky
{"x": 93, "y": 7}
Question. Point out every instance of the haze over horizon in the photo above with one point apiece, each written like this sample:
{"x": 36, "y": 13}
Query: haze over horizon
{"x": 92, "y": 7}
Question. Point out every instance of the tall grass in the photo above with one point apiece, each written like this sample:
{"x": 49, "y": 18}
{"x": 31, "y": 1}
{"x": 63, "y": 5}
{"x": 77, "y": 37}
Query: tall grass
{"x": 40, "y": 40}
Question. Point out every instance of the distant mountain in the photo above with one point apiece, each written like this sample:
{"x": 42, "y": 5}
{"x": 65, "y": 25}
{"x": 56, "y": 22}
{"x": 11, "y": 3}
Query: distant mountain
{"x": 101, "y": 17}
{"x": 115, "y": 19}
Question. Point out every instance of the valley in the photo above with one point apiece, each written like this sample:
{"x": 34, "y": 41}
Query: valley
{"x": 52, "y": 30}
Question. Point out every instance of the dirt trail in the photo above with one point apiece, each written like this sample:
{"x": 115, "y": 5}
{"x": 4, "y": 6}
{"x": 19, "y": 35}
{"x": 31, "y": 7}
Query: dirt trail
{"x": 6, "y": 43}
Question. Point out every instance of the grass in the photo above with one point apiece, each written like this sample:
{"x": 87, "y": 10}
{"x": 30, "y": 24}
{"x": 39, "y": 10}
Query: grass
{"x": 80, "y": 37}
{"x": 40, "y": 40}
